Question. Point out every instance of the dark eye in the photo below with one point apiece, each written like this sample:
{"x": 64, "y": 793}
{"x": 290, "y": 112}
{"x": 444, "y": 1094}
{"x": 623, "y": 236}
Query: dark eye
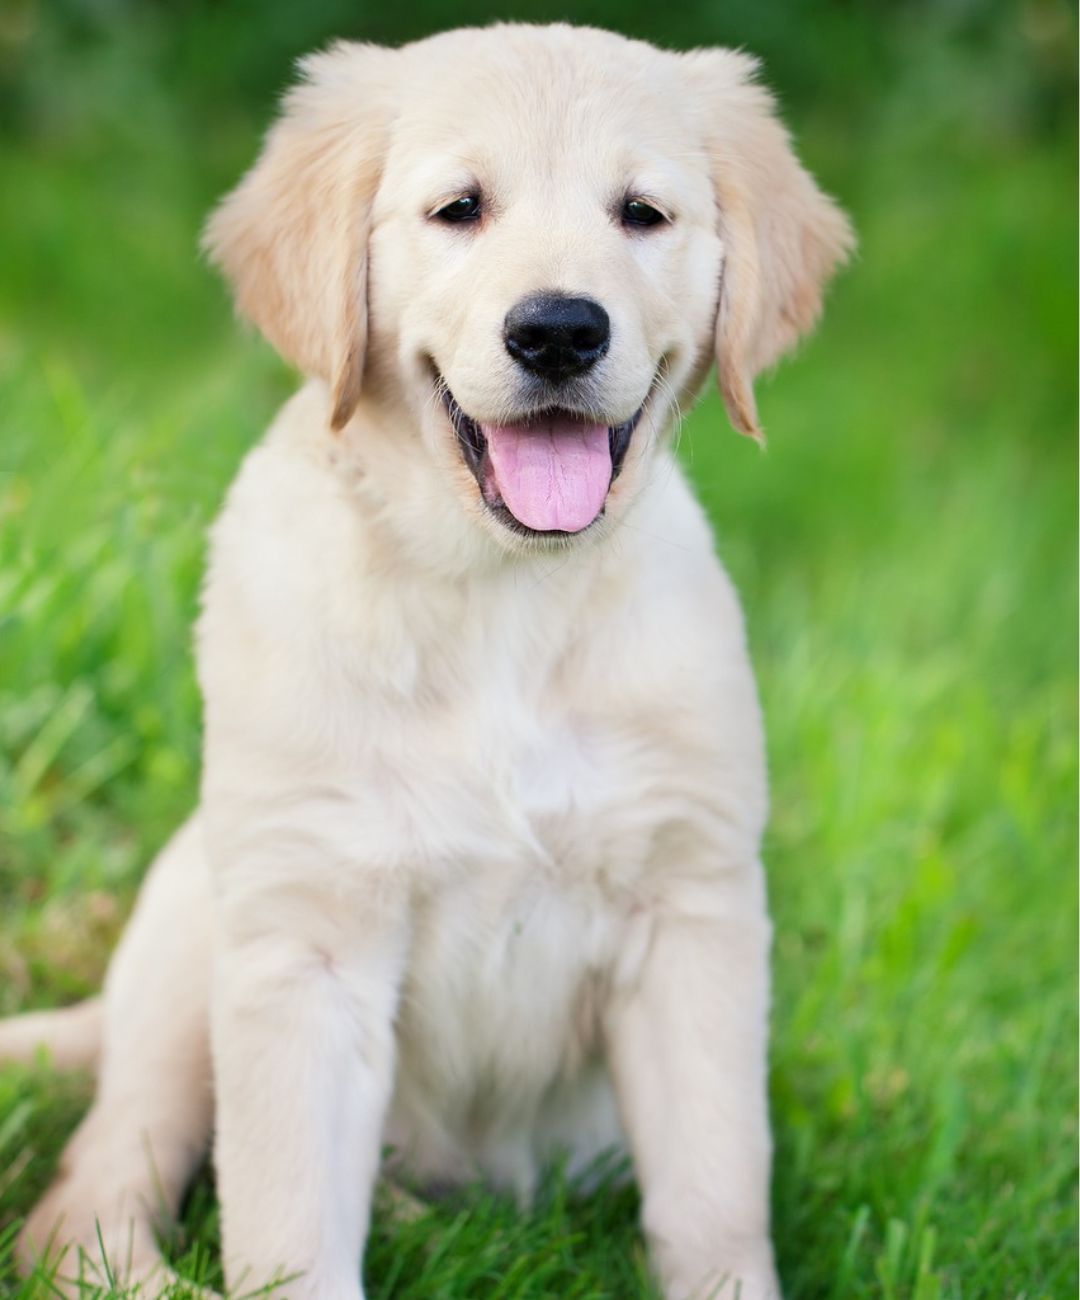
{"x": 638, "y": 213}
{"x": 467, "y": 208}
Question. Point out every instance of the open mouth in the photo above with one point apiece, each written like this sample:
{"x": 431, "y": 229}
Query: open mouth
{"x": 547, "y": 475}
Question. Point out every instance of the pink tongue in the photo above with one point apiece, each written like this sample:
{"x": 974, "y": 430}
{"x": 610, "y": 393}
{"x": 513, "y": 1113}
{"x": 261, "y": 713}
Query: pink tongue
{"x": 551, "y": 475}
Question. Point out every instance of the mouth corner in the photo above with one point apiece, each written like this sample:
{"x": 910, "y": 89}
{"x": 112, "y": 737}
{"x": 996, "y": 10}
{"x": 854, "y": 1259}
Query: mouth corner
{"x": 473, "y": 445}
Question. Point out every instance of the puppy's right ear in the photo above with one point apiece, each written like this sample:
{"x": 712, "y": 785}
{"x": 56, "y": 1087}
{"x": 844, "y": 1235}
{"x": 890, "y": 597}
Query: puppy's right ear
{"x": 783, "y": 238}
{"x": 291, "y": 238}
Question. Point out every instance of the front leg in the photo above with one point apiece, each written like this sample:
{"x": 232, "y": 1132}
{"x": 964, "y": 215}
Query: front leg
{"x": 309, "y": 962}
{"x": 687, "y": 1044}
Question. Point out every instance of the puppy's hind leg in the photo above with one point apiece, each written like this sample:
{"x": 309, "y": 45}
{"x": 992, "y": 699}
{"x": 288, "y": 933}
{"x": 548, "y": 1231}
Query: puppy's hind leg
{"x": 125, "y": 1169}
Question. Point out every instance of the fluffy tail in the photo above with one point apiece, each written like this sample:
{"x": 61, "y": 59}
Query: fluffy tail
{"x": 69, "y": 1036}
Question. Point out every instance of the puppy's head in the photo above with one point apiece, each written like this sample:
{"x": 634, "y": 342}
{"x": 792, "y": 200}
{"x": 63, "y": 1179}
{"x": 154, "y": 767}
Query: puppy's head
{"x": 531, "y": 242}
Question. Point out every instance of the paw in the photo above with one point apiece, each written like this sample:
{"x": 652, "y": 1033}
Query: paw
{"x": 745, "y": 1273}
{"x": 80, "y": 1241}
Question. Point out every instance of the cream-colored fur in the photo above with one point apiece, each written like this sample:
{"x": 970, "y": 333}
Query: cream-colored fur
{"x": 475, "y": 874}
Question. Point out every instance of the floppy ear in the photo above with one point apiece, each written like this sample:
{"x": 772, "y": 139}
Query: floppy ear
{"x": 782, "y": 236}
{"x": 291, "y": 238}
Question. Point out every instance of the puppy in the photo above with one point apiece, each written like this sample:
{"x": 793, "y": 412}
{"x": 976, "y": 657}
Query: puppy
{"x": 475, "y": 874}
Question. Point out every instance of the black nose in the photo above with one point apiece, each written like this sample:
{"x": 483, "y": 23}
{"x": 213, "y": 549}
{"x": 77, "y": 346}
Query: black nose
{"x": 557, "y": 336}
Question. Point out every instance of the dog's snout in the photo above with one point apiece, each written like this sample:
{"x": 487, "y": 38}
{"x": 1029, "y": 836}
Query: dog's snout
{"x": 556, "y": 335}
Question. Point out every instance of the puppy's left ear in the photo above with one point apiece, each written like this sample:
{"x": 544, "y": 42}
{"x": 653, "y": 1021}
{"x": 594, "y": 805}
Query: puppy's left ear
{"x": 291, "y": 238}
{"x": 782, "y": 236}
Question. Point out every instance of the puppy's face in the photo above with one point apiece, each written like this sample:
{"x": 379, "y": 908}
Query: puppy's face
{"x": 545, "y": 272}
{"x": 534, "y": 240}
{"x": 545, "y": 277}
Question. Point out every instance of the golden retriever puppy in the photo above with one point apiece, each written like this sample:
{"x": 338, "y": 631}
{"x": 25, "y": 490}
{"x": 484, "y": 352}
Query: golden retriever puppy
{"x": 475, "y": 875}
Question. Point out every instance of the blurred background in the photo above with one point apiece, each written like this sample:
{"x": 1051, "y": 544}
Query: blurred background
{"x": 906, "y": 551}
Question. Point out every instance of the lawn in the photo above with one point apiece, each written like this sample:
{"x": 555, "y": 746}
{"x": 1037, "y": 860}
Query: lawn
{"x": 906, "y": 551}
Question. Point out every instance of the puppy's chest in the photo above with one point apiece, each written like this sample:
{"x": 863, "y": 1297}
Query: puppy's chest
{"x": 507, "y": 979}
{"x": 528, "y": 908}
{"x": 512, "y": 795}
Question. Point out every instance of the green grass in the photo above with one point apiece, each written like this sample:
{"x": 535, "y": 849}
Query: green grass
{"x": 906, "y": 553}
